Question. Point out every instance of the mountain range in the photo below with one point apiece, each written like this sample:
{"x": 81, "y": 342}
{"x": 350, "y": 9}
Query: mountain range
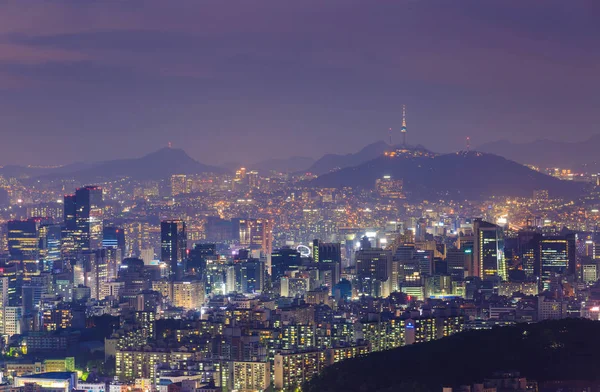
{"x": 282, "y": 165}
{"x": 157, "y": 165}
{"x": 332, "y": 162}
{"x": 463, "y": 175}
{"x": 548, "y": 153}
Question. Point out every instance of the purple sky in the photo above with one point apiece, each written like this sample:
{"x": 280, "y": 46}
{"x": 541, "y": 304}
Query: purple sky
{"x": 247, "y": 80}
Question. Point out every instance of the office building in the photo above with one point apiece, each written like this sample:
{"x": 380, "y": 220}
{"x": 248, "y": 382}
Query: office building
{"x": 557, "y": 257}
{"x": 256, "y": 234}
{"x": 373, "y": 271}
{"x": 89, "y": 217}
{"x": 24, "y": 243}
{"x": 173, "y": 246}
{"x": 488, "y": 250}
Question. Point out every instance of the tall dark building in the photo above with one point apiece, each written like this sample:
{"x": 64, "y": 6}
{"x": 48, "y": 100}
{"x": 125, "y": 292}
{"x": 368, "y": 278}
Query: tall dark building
{"x": 488, "y": 250}
{"x": 89, "y": 215}
{"x": 173, "y": 245}
{"x": 528, "y": 250}
{"x": 249, "y": 275}
{"x": 114, "y": 238}
{"x": 196, "y": 264}
{"x": 256, "y": 234}
{"x": 457, "y": 261}
{"x": 83, "y": 214}
{"x": 557, "y": 257}
{"x": 374, "y": 271}
{"x": 135, "y": 278}
{"x": 282, "y": 260}
{"x": 324, "y": 252}
{"x": 50, "y": 245}
{"x": 24, "y": 243}
{"x": 70, "y": 212}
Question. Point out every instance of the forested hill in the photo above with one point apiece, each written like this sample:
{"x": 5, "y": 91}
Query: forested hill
{"x": 548, "y": 351}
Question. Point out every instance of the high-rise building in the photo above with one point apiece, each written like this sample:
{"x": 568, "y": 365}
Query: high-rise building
{"x": 83, "y": 214}
{"x": 24, "y": 243}
{"x": 70, "y": 212}
{"x": 251, "y": 376}
{"x": 113, "y": 237}
{"x": 326, "y": 252}
{"x": 173, "y": 246}
{"x": 257, "y": 234}
{"x": 188, "y": 294}
{"x": 89, "y": 216}
{"x": 50, "y": 245}
{"x": 488, "y": 250}
{"x": 4, "y": 283}
{"x": 282, "y": 260}
{"x": 249, "y": 276}
{"x": 528, "y": 243}
{"x": 557, "y": 257}
{"x": 374, "y": 271}
{"x": 95, "y": 271}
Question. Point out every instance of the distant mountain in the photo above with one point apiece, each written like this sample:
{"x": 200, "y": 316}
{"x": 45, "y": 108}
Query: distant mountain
{"x": 464, "y": 175}
{"x": 283, "y": 165}
{"x": 232, "y": 166}
{"x": 157, "y": 165}
{"x": 565, "y": 350}
{"x": 332, "y": 162}
{"x": 17, "y": 171}
{"x": 548, "y": 153}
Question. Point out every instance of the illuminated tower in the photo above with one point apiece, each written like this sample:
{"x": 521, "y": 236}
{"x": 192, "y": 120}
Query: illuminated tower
{"x": 403, "y": 129}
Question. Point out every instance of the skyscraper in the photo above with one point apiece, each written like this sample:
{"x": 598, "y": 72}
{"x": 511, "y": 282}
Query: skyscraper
{"x": 173, "y": 245}
{"x": 374, "y": 271}
{"x": 557, "y": 257}
{"x": 324, "y": 252}
{"x": 24, "y": 243}
{"x": 257, "y": 234}
{"x": 488, "y": 249}
{"x": 83, "y": 214}
{"x": 89, "y": 214}
{"x": 70, "y": 212}
{"x": 50, "y": 245}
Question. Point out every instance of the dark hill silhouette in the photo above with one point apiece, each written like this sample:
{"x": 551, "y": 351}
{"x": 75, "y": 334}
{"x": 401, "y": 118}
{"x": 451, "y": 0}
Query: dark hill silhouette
{"x": 548, "y": 153}
{"x": 283, "y": 165}
{"x": 464, "y": 175}
{"x": 331, "y": 162}
{"x": 156, "y": 165}
{"x": 17, "y": 171}
{"x": 561, "y": 350}
{"x": 159, "y": 164}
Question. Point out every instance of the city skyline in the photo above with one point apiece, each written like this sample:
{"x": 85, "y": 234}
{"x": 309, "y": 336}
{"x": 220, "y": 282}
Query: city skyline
{"x": 259, "y": 78}
{"x": 275, "y": 196}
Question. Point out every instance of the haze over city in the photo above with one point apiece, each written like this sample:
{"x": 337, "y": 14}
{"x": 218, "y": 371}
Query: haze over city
{"x": 91, "y": 81}
{"x": 299, "y": 196}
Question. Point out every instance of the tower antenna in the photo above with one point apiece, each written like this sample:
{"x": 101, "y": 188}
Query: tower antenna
{"x": 390, "y": 135}
{"x": 403, "y": 129}
{"x": 468, "y": 144}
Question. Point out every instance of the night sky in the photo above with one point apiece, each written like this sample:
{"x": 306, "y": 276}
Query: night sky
{"x": 87, "y": 80}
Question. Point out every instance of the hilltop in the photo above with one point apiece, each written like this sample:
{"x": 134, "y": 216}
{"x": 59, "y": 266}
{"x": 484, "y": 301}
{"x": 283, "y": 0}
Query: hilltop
{"x": 561, "y": 350}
